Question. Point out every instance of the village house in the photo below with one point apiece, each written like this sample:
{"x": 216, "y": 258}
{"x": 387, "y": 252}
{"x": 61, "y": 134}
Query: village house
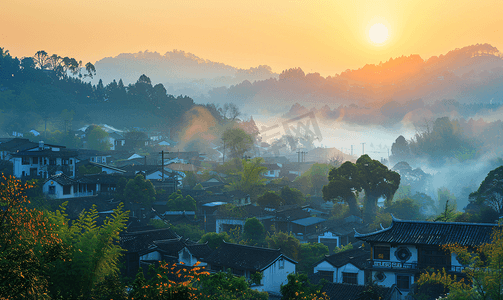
{"x": 402, "y": 251}
{"x": 344, "y": 267}
{"x": 243, "y": 260}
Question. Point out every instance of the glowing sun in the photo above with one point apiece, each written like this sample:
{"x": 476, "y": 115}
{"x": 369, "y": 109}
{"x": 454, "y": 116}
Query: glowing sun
{"x": 378, "y": 33}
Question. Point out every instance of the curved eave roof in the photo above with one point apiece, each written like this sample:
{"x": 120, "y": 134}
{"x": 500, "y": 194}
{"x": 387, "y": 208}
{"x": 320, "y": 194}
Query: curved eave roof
{"x": 431, "y": 233}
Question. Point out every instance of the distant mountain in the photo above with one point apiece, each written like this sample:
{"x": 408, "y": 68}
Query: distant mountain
{"x": 183, "y": 69}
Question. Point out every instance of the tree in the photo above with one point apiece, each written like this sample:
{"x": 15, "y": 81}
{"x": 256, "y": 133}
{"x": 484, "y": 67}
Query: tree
{"x": 237, "y": 141}
{"x": 269, "y": 199}
{"x": 140, "y": 190}
{"x": 97, "y": 138}
{"x": 490, "y": 191}
{"x": 400, "y": 150}
{"x": 224, "y": 285}
{"x": 405, "y": 208}
{"x": 291, "y": 196}
{"x": 290, "y": 246}
{"x": 94, "y": 251}
{"x": 176, "y": 202}
{"x": 299, "y": 287}
{"x": 215, "y": 239}
{"x": 250, "y": 179}
{"x": 310, "y": 253}
{"x": 29, "y": 244}
{"x": 90, "y": 69}
{"x": 343, "y": 185}
{"x": 484, "y": 271}
{"x": 254, "y": 232}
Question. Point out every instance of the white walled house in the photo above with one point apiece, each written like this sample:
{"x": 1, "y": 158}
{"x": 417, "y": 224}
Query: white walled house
{"x": 344, "y": 267}
{"x": 401, "y": 251}
{"x": 44, "y": 161}
{"x": 245, "y": 260}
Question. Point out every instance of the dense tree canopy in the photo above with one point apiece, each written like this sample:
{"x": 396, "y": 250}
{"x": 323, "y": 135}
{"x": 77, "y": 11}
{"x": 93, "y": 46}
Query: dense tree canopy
{"x": 237, "y": 142}
{"x": 490, "y": 192}
{"x": 367, "y": 175}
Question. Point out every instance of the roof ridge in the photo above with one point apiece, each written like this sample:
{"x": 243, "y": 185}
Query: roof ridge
{"x": 256, "y": 247}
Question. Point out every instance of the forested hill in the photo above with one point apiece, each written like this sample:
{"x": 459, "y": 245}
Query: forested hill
{"x": 47, "y": 88}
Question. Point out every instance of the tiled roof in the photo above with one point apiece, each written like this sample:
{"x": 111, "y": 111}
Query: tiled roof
{"x": 358, "y": 257}
{"x": 200, "y": 251}
{"x": 140, "y": 240}
{"x": 308, "y": 221}
{"x": 344, "y": 291}
{"x": 244, "y": 257}
{"x": 61, "y": 179}
{"x": 62, "y": 153}
{"x": 431, "y": 233}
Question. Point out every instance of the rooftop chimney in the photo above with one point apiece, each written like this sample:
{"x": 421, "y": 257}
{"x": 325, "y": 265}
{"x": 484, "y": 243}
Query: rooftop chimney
{"x": 41, "y": 145}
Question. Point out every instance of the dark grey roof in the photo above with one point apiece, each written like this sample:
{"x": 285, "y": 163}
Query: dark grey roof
{"x": 140, "y": 240}
{"x": 309, "y": 221}
{"x": 61, "y": 179}
{"x": 431, "y": 233}
{"x": 357, "y": 257}
{"x": 344, "y": 291}
{"x": 200, "y": 251}
{"x": 244, "y": 257}
{"x": 61, "y": 153}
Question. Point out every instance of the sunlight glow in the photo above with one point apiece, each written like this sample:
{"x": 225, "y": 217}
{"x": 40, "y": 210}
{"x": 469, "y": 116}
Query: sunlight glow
{"x": 378, "y": 33}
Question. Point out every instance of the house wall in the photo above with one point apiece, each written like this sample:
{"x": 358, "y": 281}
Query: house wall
{"x": 188, "y": 259}
{"x": 155, "y": 255}
{"x": 19, "y": 168}
{"x": 391, "y": 279}
{"x": 221, "y": 222}
{"x": 350, "y": 268}
{"x": 273, "y": 276}
{"x": 326, "y": 266}
{"x": 59, "y": 190}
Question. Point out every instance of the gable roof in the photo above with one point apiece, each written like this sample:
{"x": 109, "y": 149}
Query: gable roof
{"x": 140, "y": 240}
{"x": 357, "y": 257}
{"x": 308, "y": 221}
{"x": 199, "y": 251}
{"x": 345, "y": 291}
{"x": 431, "y": 233}
{"x": 245, "y": 257}
{"x": 62, "y": 179}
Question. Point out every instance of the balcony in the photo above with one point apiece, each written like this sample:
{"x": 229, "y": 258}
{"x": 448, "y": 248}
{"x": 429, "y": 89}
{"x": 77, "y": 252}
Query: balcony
{"x": 394, "y": 265}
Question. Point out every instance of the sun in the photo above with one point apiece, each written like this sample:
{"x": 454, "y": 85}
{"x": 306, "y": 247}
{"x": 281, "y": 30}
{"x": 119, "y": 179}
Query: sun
{"x": 378, "y": 33}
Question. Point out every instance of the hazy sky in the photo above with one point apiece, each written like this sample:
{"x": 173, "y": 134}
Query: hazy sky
{"x": 319, "y": 36}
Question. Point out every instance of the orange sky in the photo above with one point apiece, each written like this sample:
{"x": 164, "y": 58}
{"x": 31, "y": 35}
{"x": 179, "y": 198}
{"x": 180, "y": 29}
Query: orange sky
{"x": 319, "y": 36}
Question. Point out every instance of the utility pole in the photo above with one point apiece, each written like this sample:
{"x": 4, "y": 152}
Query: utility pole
{"x": 351, "y": 150}
{"x": 162, "y": 164}
{"x": 363, "y": 148}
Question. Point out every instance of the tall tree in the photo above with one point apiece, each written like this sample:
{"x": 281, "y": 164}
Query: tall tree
{"x": 237, "y": 141}
{"x": 490, "y": 191}
{"x": 140, "y": 190}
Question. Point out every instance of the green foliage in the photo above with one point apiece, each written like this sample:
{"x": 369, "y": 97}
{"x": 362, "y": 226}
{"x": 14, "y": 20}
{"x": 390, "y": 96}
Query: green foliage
{"x": 198, "y": 187}
{"x": 230, "y": 167}
{"x": 250, "y": 179}
{"x": 97, "y": 138}
{"x": 449, "y": 213}
{"x": 254, "y": 232}
{"x": 168, "y": 282}
{"x": 343, "y": 248}
{"x": 340, "y": 211}
{"x": 406, "y": 209}
{"x": 231, "y": 211}
{"x": 299, "y": 287}
{"x": 193, "y": 232}
{"x": 176, "y": 202}
{"x": 292, "y": 196}
{"x": 381, "y": 219}
{"x": 215, "y": 239}
{"x": 29, "y": 244}
{"x": 309, "y": 254}
{"x": 94, "y": 251}
{"x": 269, "y": 199}
{"x": 224, "y": 285}
{"x": 313, "y": 180}
{"x": 83, "y": 170}
{"x": 490, "y": 191}
{"x": 237, "y": 141}
{"x": 444, "y": 196}
{"x": 367, "y": 175}
{"x": 139, "y": 190}
{"x": 290, "y": 246}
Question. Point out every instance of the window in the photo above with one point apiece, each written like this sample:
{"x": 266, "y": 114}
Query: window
{"x": 282, "y": 263}
{"x": 35, "y": 161}
{"x": 403, "y": 282}
{"x": 52, "y": 190}
{"x": 71, "y": 161}
{"x": 52, "y": 161}
{"x": 25, "y": 160}
{"x": 381, "y": 252}
{"x": 67, "y": 189}
{"x": 327, "y": 275}
{"x": 435, "y": 257}
{"x": 351, "y": 278}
